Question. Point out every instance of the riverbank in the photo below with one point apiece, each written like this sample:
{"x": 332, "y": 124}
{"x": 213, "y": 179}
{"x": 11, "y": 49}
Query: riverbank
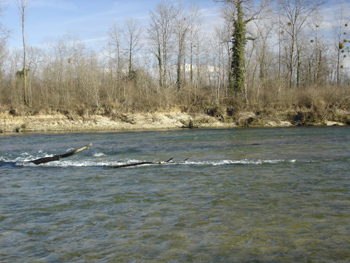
{"x": 12, "y": 122}
{"x": 131, "y": 121}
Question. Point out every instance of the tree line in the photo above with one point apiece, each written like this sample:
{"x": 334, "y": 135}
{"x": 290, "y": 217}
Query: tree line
{"x": 275, "y": 54}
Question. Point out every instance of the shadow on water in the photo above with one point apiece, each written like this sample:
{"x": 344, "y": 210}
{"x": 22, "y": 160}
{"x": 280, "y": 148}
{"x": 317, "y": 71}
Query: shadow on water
{"x": 8, "y": 164}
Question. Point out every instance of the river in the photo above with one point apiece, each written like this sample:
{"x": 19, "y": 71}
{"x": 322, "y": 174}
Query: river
{"x": 243, "y": 195}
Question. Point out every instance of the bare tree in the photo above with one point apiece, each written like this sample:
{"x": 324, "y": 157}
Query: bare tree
{"x": 261, "y": 57}
{"x": 181, "y": 30}
{"x": 341, "y": 31}
{"x": 220, "y": 60}
{"x": 35, "y": 59}
{"x": 117, "y": 58}
{"x": 115, "y": 40}
{"x": 195, "y": 21}
{"x": 223, "y": 35}
{"x": 295, "y": 15}
{"x": 132, "y": 32}
{"x": 116, "y": 44}
{"x": 4, "y": 34}
{"x": 317, "y": 66}
{"x": 160, "y": 34}
{"x": 264, "y": 31}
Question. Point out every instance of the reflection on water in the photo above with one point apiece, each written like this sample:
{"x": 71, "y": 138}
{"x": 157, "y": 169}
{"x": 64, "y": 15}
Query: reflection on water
{"x": 258, "y": 195}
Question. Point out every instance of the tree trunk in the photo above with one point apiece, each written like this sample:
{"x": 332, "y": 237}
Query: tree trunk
{"x": 298, "y": 69}
{"x": 60, "y": 156}
{"x": 238, "y": 49}
{"x": 140, "y": 163}
{"x": 25, "y": 92}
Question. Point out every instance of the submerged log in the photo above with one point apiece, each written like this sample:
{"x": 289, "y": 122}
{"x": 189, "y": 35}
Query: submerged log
{"x": 68, "y": 154}
{"x": 60, "y": 156}
{"x": 140, "y": 163}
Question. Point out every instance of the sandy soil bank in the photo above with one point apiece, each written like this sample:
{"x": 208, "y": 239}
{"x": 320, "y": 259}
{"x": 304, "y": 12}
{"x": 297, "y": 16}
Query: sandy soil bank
{"x": 10, "y": 123}
{"x": 144, "y": 121}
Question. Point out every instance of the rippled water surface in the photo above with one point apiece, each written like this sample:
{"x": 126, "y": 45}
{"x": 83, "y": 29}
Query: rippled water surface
{"x": 244, "y": 195}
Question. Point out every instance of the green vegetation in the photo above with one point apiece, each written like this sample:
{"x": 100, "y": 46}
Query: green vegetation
{"x": 238, "y": 50}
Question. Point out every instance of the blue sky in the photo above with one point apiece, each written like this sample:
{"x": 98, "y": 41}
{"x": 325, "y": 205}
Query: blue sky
{"x": 89, "y": 21}
{"x": 50, "y": 20}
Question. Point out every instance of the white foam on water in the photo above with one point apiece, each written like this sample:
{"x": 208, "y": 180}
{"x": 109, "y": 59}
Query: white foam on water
{"x": 101, "y": 160}
{"x": 238, "y": 162}
{"x": 99, "y": 155}
{"x": 79, "y": 163}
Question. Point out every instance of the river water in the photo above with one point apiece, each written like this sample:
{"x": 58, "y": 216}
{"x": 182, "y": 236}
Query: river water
{"x": 244, "y": 195}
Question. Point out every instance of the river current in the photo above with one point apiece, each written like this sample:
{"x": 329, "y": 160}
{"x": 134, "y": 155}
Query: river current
{"x": 243, "y": 195}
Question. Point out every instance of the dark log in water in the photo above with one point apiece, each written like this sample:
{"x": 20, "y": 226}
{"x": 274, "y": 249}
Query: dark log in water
{"x": 140, "y": 163}
{"x": 65, "y": 155}
{"x": 60, "y": 156}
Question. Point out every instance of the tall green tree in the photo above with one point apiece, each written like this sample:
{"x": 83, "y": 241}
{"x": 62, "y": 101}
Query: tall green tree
{"x": 240, "y": 13}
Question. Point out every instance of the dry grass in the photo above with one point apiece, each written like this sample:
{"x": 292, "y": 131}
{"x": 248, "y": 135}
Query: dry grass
{"x": 304, "y": 106}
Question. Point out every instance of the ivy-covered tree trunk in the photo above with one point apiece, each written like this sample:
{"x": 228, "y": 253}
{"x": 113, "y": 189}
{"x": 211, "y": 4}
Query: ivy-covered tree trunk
{"x": 25, "y": 93}
{"x": 238, "y": 49}
{"x": 22, "y": 5}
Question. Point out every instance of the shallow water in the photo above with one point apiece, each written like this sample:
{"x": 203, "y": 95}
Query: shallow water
{"x": 244, "y": 195}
